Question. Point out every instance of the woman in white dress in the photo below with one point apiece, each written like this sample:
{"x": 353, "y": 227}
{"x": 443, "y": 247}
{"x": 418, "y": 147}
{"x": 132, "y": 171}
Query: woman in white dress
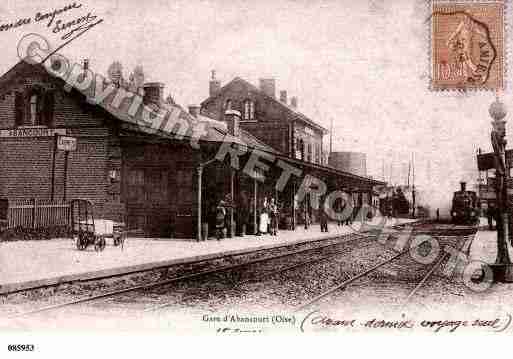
{"x": 264, "y": 218}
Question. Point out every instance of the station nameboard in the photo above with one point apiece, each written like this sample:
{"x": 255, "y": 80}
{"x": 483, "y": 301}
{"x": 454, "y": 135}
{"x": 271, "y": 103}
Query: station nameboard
{"x": 66, "y": 143}
{"x": 32, "y": 132}
{"x": 486, "y": 161}
{"x": 488, "y": 192}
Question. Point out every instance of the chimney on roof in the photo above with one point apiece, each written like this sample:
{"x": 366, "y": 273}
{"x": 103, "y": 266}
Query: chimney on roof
{"x": 214, "y": 84}
{"x": 153, "y": 92}
{"x": 268, "y": 86}
{"x": 232, "y": 119}
{"x": 463, "y": 186}
{"x": 293, "y": 102}
{"x": 283, "y": 96}
{"x": 194, "y": 110}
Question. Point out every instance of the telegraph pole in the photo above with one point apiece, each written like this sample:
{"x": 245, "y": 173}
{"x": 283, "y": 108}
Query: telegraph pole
{"x": 413, "y": 187}
{"x": 331, "y": 136}
{"x": 409, "y": 169}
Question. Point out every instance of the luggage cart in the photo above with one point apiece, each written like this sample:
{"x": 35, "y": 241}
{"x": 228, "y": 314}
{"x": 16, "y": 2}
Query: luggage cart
{"x": 82, "y": 226}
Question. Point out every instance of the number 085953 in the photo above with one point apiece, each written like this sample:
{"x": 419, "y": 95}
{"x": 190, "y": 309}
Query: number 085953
{"x": 20, "y": 347}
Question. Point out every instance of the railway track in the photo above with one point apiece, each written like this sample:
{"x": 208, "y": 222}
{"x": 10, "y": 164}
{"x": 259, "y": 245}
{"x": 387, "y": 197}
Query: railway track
{"x": 343, "y": 240}
{"x": 278, "y": 271}
{"x": 347, "y": 241}
{"x": 462, "y": 231}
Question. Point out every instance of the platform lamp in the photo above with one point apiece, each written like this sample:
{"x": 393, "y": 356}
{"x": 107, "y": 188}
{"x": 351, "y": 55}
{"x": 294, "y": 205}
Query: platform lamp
{"x": 502, "y": 268}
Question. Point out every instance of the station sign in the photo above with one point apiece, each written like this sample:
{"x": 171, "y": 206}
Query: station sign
{"x": 66, "y": 143}
{"x": 32, "y": 132}
{"x": 488, "y": 193}
{"x": 486, "y": 161}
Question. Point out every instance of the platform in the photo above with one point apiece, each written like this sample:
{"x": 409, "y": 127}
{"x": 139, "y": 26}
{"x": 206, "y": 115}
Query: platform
{"x": 32, "y": 264}
{"x": 484, "y": 246}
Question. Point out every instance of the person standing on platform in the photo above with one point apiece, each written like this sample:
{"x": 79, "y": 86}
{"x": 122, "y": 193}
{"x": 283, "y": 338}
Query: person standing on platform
{"x": 323, "y": 218}
{"x": 220, "y": 219}
{"x": 273, "y": 213}
{"x": 264, "y": 218}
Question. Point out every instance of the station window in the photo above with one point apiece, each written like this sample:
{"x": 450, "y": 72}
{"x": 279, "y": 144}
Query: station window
{"x": 34, "y": 108}
{"x": 249, "y": 110}
{"x": 228, "y": 104}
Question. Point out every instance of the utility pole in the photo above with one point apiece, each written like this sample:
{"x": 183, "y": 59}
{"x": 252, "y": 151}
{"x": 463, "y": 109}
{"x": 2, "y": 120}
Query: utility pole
{"x": 331, "y": 139}
{"x": 413, "y": 187}
{"x": 409, "y": 169}
{"x": 502, "y": 268}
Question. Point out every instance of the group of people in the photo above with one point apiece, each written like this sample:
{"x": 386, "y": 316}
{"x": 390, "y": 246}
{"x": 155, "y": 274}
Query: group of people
{"x": 267, "y": 217}
{"x": 348, "y": 216}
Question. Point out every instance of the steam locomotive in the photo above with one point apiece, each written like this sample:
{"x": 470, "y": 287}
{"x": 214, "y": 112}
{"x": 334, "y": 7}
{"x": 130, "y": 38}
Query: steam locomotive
{"x": 466, "y": 207}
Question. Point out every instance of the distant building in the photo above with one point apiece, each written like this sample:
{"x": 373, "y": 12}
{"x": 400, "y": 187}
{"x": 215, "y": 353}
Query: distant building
{"x": 352, "y": 162}
{"x": 276, "y": 122}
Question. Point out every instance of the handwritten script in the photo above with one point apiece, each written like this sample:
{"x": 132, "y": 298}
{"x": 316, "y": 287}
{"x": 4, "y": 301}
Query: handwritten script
{"x": 316, "y": 320}
{"x": 65, "y": 28}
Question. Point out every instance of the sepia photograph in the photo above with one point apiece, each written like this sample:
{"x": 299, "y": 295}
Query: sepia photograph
{"x": 250, "y": 169}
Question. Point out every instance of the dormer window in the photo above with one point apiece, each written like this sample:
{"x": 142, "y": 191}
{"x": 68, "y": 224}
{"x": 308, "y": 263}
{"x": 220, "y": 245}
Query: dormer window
{"x": 34, "y": 115}
{"x": 249, "y": 110}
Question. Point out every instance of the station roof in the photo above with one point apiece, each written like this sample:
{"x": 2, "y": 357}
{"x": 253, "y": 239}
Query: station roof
{"x": 216, "y": 131}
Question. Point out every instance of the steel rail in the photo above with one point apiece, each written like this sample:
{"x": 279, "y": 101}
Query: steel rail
{"x": 208, "y": 272}
{"x": 200, "y": 260}
{"x": 428, "y": 274}
{"x": 350, "y": 280}
{"x": 360, "y": 275}
{"x": 185, "y": 277}
{"x": 434, "y": 268}
{"x": 269, "y": 274}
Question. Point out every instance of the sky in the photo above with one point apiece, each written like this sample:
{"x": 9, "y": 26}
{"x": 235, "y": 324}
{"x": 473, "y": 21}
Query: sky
{"x": 364, "y": 65}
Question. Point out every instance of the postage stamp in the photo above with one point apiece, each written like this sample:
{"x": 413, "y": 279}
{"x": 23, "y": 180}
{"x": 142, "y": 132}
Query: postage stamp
{"x": 467, "y": 45}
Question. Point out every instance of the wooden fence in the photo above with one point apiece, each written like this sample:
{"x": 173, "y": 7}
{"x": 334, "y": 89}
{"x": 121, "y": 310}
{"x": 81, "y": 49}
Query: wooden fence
{"x": 37, "y": 213}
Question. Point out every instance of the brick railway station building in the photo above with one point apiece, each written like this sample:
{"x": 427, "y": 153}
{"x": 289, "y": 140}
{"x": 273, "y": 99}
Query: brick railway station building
{"x": 152, "y": 179}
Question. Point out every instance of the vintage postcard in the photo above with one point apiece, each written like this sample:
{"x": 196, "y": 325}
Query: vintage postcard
{"x": 237, "y": 168}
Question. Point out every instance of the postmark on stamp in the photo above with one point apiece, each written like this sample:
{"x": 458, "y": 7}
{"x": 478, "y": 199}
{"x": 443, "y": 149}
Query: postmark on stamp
{"x": 467, "y": 45}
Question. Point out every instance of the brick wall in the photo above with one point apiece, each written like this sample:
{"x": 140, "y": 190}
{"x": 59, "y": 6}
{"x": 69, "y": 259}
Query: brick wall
{"x": 26, "y": 162}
